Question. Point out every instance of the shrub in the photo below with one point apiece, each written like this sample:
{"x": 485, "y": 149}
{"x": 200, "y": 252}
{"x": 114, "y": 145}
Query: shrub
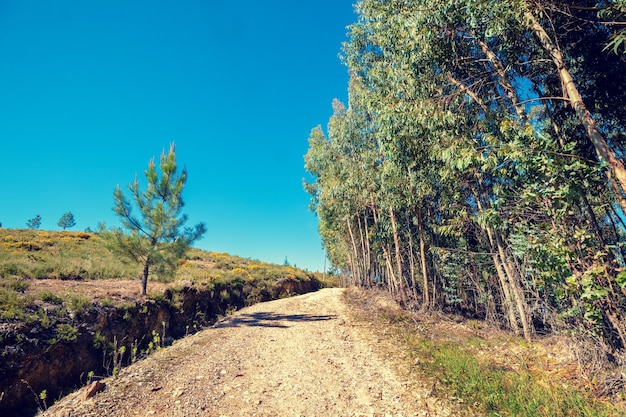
{"x": 65, "y": 333}
{"x": 51, "y": 298}
{"x": 78, "y": 303}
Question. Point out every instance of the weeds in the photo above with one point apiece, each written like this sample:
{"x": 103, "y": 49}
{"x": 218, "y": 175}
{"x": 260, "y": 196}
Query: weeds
{"x": 66, "y": 333}
{"x": 484, "y": 382}
{"x": 494, "y": 390}
{"x": 40, "y": 399}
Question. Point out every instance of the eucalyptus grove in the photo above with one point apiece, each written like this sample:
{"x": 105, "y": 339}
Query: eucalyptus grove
{"x": 477, "y": 166}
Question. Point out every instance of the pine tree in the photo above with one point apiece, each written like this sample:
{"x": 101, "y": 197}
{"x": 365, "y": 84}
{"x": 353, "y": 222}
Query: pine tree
{"x": 34, "y": 223}
{"x": 156, "y": 238}
{"x": 66, "y": 221}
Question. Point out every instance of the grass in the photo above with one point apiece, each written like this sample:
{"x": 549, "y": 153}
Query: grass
{"x": 494, "y": 375}
{"x": 27, "y": 255}
{"x": 494, "y": 390}
{"x": 37, "y": 254}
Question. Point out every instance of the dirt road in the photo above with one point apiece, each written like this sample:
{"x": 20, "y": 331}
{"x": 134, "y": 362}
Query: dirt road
{"x": 301, "y": 356}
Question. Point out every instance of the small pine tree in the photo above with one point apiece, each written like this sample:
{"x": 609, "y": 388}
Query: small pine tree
{"x": 157, "y": 237}
{"x": 34, "y": 223}
{"x": 66, "y": 221}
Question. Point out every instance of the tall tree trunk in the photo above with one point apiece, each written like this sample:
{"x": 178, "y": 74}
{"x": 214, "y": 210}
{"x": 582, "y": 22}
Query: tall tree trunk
{"x": 365, "y": 264}
{"x": 616, "y": 170}
{"x": 420, "y": 228}
{"x": 514, "y": 279}
{"x": 505, "y": 284}
{"x": 368, "y": 249}
{"x": 356, "y": 272}
{"x": 412, "y": 273}
{"x": 396, "y": 241}
{"x": 391, "y": 278}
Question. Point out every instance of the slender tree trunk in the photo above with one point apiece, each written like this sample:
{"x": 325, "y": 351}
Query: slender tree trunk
{"x": 616, "y": 170}
{"x": 520, "y": 299}
{"x": 391, "y": 279}
{"x": 356, "y": 272}
{"x": 364, "y": 264}
{"x": 505, "y": 285}
{"x": 396, "y": 241}
{"x": 420, "y": 228}
{"x": 412, "y": 273}
{"x": 352, "y": 269}
{"x": 144, "y": 276}
{"x": 505, "y": 82}
{"x": 368, "y": 249}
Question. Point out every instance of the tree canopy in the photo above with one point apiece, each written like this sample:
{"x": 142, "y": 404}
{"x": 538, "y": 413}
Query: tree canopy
{"x": 34, "y": 223}
{"x": 478, "y": 164}
{"x": 66, "y": 221}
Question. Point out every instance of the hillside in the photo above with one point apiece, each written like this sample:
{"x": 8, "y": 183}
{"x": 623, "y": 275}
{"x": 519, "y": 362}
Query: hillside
{"x": 64, "y": 296}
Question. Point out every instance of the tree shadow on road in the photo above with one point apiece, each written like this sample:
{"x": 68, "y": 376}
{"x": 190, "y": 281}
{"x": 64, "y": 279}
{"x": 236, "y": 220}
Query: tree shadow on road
{"x": 265, "y": 319}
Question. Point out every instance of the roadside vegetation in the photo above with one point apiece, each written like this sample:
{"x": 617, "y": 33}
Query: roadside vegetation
{"x": 488, "y": 372}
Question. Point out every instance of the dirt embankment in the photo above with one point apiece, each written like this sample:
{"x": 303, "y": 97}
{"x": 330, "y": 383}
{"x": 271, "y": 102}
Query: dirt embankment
{"x": 55, "y": 358}
{"x": 301, "y": 356}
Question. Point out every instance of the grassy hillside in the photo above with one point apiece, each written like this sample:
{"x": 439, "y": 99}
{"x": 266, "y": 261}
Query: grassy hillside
{"x": 28, "y": 257}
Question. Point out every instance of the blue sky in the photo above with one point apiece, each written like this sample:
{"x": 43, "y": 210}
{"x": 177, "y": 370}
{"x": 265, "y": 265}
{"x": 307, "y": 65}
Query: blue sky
{"x": 91, "y": 90}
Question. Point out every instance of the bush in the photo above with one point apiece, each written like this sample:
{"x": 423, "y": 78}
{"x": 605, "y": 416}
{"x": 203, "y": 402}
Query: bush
{"x": 65, "y": 333}
{"x": 9, "y": 269}
{"x": 51, "y": 298}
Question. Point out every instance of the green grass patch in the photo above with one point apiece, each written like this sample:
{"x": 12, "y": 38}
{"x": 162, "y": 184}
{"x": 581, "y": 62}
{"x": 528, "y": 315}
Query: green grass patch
{"x": 493, "y": 390}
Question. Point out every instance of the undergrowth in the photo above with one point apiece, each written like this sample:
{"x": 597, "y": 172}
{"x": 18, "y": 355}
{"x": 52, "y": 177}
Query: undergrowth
{"x": 495, "y": 390}
{"x": 473, "y": 373}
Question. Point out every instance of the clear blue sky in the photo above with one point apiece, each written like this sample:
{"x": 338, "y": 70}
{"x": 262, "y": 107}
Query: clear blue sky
{"x": 91, "y": 90}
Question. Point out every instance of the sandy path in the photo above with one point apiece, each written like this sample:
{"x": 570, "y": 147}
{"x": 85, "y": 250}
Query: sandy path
{"x": 301, "y": 356}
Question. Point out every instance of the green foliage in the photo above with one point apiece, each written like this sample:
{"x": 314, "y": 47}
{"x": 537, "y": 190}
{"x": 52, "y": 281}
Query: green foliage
{"x": 66, "y": 221}
{"x": 50, "y": 297}
{"x": 457, "y": 169}
{"x": 78, "y": 303}
{"x": 13, "y": 303}
{"x": 34, "y": 223}
{"x": 156, "y": 238}
{"x": 65, "y": 333}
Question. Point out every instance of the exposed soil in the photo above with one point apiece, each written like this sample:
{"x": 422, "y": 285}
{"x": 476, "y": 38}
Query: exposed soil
{"x": 115, "y": 290}
{"x": 300, "y": 356}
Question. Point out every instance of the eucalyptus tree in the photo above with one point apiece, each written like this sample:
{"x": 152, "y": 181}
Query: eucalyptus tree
{"x": 461, "y": 138}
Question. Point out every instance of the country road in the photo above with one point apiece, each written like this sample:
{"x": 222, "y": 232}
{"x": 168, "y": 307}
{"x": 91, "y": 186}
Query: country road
{"x": 299, "y": 356}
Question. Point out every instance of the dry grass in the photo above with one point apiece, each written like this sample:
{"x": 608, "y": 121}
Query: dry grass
{"x": 35, "y": 265}
{"x": 490, "y": 372}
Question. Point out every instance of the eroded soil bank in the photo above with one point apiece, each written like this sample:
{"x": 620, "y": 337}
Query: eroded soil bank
{"x": 40, "y": 357}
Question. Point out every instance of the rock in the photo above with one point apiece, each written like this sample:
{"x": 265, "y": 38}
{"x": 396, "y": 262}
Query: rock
{"x": 93, "y": 389}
